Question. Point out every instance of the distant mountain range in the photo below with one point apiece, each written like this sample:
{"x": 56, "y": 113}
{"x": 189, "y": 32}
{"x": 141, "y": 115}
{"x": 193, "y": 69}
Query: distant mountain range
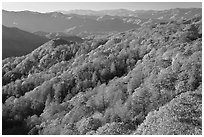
{"x": 75, "y": 22}
{"x": 58, "y": 22}
{"x": 177, "y": 13}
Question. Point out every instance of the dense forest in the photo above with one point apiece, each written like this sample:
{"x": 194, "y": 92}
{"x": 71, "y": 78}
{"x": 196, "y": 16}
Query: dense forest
{"x": 144, "y": 81}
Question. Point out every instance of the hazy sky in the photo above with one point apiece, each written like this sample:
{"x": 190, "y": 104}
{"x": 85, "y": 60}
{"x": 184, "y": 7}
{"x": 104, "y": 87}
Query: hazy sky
{"x": 53, "y": 6}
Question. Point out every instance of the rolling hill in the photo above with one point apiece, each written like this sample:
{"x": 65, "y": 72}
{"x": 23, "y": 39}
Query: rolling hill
{"x": 16, "y": 42}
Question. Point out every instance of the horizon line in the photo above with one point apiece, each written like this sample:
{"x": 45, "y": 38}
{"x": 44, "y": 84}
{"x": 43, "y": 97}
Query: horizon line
{"x": 99, "y": 10}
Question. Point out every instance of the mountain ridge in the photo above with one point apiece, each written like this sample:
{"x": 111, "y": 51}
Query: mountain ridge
{"x": 75, "y": 24}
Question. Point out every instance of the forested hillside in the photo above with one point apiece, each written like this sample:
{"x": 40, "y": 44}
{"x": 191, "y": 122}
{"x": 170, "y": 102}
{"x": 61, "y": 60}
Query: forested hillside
{"x": 142, "y": 81}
